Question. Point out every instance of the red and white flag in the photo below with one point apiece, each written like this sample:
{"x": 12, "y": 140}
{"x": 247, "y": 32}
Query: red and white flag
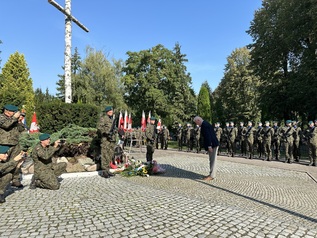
{"x": 125, "y": 123}
{"x": 159, "y": 124}
{"x": 34, "y": 126}
{"x": 149, "y": 117}
{"x": 143, "y": 122}
{"x": 120, "y": 123}
{"x": 130, "y": 122}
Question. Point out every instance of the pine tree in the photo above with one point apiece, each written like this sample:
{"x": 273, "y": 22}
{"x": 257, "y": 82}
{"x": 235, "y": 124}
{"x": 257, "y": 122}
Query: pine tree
{"x": 16, "y": 84}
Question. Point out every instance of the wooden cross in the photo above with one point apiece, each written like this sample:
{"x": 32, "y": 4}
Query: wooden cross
{"x": 68, "y": 45}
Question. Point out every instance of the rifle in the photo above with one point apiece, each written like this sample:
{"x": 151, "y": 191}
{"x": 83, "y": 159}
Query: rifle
{"x": 285, "y": 134}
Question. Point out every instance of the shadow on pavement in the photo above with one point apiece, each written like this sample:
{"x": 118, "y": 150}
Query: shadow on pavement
{"x": 261, "y": 202}
{"x": 175, "y": 172}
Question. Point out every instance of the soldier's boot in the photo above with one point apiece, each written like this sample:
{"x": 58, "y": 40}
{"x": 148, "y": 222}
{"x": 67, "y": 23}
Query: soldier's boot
{"x": 2, "y": 198}
{"x": 17, "y": 184}
{"x": 32, "y": 184}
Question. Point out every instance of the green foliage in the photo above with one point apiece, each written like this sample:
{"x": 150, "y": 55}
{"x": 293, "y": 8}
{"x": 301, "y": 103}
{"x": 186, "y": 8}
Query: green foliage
{"x": 95, "y": 80}
{"x": 204, "y": 108}
{"x": 236, "y": 97}
{"x": 16, "y": 86}
{"x": 284, "y": 58}
{"x": 156, "y": 80}
{"x": 54, "y": 116}
{"x": 79, "y": 140}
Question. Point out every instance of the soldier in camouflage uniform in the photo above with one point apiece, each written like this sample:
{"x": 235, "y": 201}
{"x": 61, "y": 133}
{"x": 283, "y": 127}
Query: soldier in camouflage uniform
{"x": 276, "y": 141}
{"x": 180, "y": 137}
{"x": 241, "y": 139}
{"x": 150, "y": 135}
{"x": 225, "y": 137}
{"x": 288, "y": 138}
{"x": 297, "y": 140}
{"x": 165, "y": 138}
{"x": 248, "y": 135}
{"x": 6, "y": 169}
{"x": 267, "y": 135}
{"x": 10, "y": 130}
{"x": 259, "y": 139}
{"x": 107, "y": 132}
{"x": 218, "y": 131}
{"x": 232, "y": 135}
{"x": 197, "y": 139}
{"x": 311, "y": 136}
{"x": 190, "y": 137}
{"x": 45, "y": 171}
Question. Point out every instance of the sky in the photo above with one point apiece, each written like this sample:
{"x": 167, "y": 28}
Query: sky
{"x": 208, "y": 31}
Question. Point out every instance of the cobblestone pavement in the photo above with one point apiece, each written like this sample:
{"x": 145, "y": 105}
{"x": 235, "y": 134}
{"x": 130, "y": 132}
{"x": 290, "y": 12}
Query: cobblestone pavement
{"x": 245, "y": 200}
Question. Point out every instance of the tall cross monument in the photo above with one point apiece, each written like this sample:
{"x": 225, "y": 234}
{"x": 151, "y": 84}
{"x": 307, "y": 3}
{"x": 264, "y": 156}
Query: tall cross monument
{"x": 68, "y": 45}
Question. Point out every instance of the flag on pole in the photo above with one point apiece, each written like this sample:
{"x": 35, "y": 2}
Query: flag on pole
{"x": 125, "y": 123}
{"x": 143, "y": 122}
{"x": 130, "y": 122}
{"x": 34, "y": 126}
{"x": 149, "y": 117}
{"x": 120, "y": 123}
{"x": 159, "y": 124}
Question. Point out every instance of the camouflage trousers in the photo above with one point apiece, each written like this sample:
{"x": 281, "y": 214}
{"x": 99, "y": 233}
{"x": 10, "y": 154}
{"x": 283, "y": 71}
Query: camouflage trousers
{"x": 312, "y": 153}
{"x": 46, "y": 177}
{"x": 12, "y": 153}
{"x": 4, "y": 182}
{"x": 107, "y": 153}
{"x": 149, "y": 151}
{"x": 267, "y": 149}
{"x": 289, "y": 148}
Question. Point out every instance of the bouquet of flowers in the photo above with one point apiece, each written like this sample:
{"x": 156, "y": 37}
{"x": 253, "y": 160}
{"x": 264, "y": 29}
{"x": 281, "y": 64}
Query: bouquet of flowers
{"x": 136, "y": 167}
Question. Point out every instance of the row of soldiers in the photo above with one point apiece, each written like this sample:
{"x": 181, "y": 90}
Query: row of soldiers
{"x": 189, "y": 136}
{"x": 267, "y": 139}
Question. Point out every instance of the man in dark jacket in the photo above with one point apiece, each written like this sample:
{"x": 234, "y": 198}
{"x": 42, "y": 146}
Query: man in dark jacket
{"x": 211, "y": 145}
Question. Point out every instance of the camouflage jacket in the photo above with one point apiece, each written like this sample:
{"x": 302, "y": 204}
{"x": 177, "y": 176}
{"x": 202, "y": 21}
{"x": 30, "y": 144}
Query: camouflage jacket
{"x": 218, "y": 131}
{"x": 42, "y": 156}
{"x": 248, "y": 134}
{"x": 287, "y": 134}
{"x": 150, "y": 132}
{"x": 267, "y": 133}
{"x": 106, "y": 128}
{"x": 10, "y": 130}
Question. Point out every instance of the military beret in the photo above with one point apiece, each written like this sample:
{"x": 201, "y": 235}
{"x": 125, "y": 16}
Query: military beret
{"x": 11, "y": 108}
{"x": 310, "y": 122}
{"x": 44, "y": 136}
{"x": 152, "y": 118}
{"x": 108, "y": 108}
{"x": 259, "y": 122}
{"x": 4, "y": 149}
{"x": 288, "y": 121}
{"x": 267, "y": 122}
{"x": 315, "y": 120}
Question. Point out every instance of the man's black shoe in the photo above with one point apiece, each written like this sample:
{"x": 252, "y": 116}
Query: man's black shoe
{"x": 2, "y": 199}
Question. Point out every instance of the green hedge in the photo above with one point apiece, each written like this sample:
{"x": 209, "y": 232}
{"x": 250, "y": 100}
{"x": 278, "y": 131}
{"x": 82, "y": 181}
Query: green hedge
{"x": 54, "y": 116}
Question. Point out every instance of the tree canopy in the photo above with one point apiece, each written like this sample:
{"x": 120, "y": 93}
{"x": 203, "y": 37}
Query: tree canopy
{"x": 156, "y": 80}
{"x": 16, "y": 86}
